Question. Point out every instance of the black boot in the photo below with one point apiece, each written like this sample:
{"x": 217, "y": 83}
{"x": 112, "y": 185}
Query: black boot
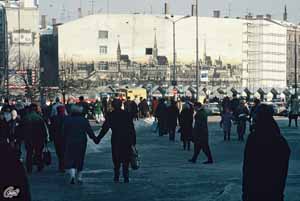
{"x": 117, "y": 176}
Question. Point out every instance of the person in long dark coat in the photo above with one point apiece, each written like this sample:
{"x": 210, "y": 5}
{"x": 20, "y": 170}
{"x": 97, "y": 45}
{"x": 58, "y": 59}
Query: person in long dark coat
{"x": 186, "y": 125}
{"x": 58, "y": 136}
{"x": 172, "y": 119}
{"x": 266, "y": 160}
{"x": 75, "y": 129}
{"x": 200, "y": 135}
{"x": 161, "y": 114}
{"x": 14, "y": 184}
{"x": 226, "y": 123}
{"x": 241, "y": 115}
{"x": 122, "y": 139}
{"x": 35, "y": 136}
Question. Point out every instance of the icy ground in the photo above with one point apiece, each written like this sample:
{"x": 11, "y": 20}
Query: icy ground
{"x": 165, "y": 174}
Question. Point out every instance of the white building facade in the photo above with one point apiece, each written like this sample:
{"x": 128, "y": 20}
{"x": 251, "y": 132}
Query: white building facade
{"x": 257, "y": 47}
{"x": 23, "y": 30}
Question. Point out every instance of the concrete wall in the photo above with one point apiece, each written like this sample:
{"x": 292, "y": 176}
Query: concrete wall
{"x": 79, "y": 39}
{"x": 29, "y": 30}
{"x": 258, "y": 46}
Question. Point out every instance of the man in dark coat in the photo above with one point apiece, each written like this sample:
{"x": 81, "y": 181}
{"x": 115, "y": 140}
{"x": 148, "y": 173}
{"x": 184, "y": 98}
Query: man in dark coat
{"x": 35, "y": 136}
{"x": 200, "y": 135}
{"x": 161, "y": 114}
{"x": 58, "y": 136}
{"x": 172, "y": 118}
{"x": 241, "y": 116}
{"x": 186, "y": 119}
{"x": 84, "y": 105}
{"x": 122, "y": 139}
{"x": 266, "y": 160}
{"x": 13, "y": 179}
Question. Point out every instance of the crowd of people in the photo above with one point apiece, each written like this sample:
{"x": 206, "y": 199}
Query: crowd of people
{"x": 266, "y": 153}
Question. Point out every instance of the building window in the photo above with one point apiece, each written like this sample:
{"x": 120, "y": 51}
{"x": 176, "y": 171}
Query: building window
{"x": 103, "y": 34}
{"x": 103, "y": 50}
{"x": 103, "y": 66}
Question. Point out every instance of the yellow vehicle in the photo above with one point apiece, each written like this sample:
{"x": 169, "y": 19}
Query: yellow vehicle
{"x": 134, "y": 93}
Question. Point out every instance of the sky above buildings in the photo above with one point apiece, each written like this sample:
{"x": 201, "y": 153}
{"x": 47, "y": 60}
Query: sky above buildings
{"x": 65, "y": 10}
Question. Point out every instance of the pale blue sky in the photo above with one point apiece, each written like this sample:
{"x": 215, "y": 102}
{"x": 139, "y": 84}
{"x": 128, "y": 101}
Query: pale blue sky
{"x": 67, "y": 9}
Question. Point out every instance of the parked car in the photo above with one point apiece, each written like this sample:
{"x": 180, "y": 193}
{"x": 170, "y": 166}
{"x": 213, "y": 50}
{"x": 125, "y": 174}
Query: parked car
{"x": 212, "y": 109}
{"x": 280, "y": 109}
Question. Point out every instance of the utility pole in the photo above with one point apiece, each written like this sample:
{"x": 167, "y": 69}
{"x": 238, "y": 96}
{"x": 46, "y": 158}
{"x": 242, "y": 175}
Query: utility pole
{"x": 197, "y": 52}
{"x": 174, "y": 82}
{"x": 296, "y": 65}
{"x": 19, "y": 27}
{"x": 174, "y": 76}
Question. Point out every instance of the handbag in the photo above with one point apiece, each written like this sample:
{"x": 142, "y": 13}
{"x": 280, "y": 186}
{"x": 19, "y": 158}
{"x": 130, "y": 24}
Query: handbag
{"x": 134, "y": 159}
{"x": 47, "y": 159}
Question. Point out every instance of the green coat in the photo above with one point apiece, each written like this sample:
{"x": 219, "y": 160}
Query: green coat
{"x": 98, "y": 108}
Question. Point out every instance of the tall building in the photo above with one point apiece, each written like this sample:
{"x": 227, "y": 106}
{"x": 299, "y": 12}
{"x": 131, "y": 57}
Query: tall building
{"x": 3, "y": 44}
{"x": 23, "y": 39}
{"x": 293, "y": 45}
{"x": 257, "y": 46}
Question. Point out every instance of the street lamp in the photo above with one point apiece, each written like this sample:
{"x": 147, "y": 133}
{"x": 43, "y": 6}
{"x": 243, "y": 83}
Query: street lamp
{"x": 296, "y": 63}
{"x": 174, "y": 82}
{"x": 197, "y": 52}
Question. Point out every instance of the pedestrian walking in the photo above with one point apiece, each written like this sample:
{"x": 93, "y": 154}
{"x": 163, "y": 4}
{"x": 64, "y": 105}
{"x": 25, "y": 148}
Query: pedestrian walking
{"x": 84, "y": 105}
{"x": 35, "y": 136}
{"x": 266, "y": 160}
{"x": 14, "y": 183}
{"x": 172, "y": 119}
{"x": 15, "y": 138}
{"x": 161, "y": 113}
{"x": 58, "y": 136}
{"x": 154, "y": 106}
{"x": 76, "y": 128}
{"x": 253, "y": 112}
{"x": 123, "y": 138}
{"x": 293, "y": 110}
{"x": 98, "y": 111}
{"x": 200, "y": 135}
{"x": 241, "y": 115}
{"x": 226, "y": 123}
{"x": 186, "y": 119}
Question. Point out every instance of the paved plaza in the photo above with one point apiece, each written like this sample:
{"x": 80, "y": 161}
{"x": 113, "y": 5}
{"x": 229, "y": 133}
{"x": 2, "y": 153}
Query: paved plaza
{"x": 165, "y": 174}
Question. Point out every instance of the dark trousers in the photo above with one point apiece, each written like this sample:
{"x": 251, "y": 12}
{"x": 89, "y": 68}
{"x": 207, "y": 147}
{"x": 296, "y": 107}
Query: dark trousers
{"x": 293, "y": 117}
{"x": 117, "y": 167}
{"x": 172, "y": 132}
{"x": 227, "y": 135}
{"x": 60, "y": 151}
{"x": 162, "y": 126}
{"x": 186, "y": 144}
{"x": 241, "y": 129}
{"x": 34, "y": 152}
{"x": 202, "y": 146}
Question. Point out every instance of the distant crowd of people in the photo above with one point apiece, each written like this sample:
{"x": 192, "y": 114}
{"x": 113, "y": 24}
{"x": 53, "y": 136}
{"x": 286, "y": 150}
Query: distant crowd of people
{"x": 266, "y": 155}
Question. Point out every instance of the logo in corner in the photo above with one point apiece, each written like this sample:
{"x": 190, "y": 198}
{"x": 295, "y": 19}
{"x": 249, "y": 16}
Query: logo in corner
{"x": 11, "y": 192}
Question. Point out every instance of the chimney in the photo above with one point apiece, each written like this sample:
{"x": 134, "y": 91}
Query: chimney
{"x": 79, "y": 13}
{"x": 217, "y": 14}
{"x": 193, "y": 10}
{"x": 259, "y": 17}
{"x": 44, "y": 21}
{"x": 268, "y": 17}
{"x": 285, "y": 15}
{"x": 249, "y": 16}
{"x": 166, "y": 9}
{"x": 54, "y": 21}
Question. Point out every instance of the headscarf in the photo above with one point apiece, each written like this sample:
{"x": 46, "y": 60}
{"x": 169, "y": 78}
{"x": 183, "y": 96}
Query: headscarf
{"x": 266, "y": 125}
